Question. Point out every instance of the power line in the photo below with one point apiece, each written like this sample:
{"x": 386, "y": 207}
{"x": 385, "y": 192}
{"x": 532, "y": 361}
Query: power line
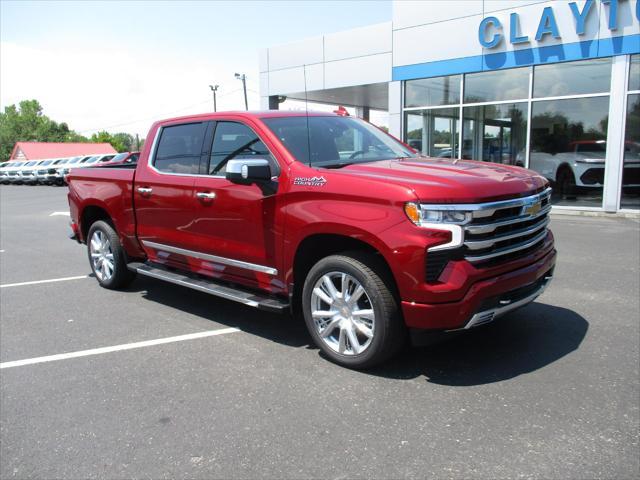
{"x": 160, "y": 115}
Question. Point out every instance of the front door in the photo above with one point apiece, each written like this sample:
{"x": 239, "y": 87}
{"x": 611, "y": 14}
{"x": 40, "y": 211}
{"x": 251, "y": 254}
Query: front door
{"x": 235, "y": 226}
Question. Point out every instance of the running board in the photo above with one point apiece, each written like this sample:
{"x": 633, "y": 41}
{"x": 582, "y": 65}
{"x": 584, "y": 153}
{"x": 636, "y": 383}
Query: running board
{"x": 252, "y": 299}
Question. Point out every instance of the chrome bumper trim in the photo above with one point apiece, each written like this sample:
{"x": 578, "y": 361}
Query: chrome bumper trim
{"x": 487, "y": 316}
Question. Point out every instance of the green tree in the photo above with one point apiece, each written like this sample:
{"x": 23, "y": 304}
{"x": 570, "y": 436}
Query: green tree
{"x": 122, "y": 142}
{"x": 27, "y": 123}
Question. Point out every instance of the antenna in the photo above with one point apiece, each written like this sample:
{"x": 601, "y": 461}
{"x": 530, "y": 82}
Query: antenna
{"x": 306, "y": 108}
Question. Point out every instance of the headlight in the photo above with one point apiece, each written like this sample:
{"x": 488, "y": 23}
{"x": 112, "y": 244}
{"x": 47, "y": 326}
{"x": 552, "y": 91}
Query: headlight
{"x": 421, "y": 214}
{"x": 439, "y": 218}
{"x": 590, "y": 160}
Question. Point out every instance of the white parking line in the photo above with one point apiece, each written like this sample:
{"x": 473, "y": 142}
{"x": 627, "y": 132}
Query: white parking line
{"x": 51, "y": 280}
{"x": 63, "y": 214}
{"x": 117, "y": 348}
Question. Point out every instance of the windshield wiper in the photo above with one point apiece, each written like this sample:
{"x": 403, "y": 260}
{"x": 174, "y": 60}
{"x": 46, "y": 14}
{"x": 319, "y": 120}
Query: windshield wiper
{"x": 338, "y": 165}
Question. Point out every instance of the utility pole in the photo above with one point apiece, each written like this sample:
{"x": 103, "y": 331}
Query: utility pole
{"x": 137, "y": 143}
{"x": 243, "y": 77}
{"x": 214, "y": 89}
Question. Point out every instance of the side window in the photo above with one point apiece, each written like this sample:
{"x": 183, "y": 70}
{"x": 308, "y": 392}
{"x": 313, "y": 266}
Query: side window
{"x": 234, "y": 140}
{"x": 179, "y": 148}
{"x": 133, "y": 158}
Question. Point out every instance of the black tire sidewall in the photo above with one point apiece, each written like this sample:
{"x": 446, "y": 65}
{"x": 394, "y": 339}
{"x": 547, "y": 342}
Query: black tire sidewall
{"x": 382, "y": 314}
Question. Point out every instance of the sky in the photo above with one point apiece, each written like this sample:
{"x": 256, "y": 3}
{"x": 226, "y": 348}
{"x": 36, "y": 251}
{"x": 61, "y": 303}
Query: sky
{"x": 119, "y": 66}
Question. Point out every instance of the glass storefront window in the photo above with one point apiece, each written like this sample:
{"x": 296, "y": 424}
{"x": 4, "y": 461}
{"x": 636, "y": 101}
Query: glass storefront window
{"x": 572, "y": 78}
{"x": 512, "y": 84}
{"x": 429, "y": 92}
{"x": 568, "y": 147}
{"x": 631, "y": 170}
{"x": 434, "y": 132}
{"x": 634, "y": 73}
{"x": 495, "y": 133}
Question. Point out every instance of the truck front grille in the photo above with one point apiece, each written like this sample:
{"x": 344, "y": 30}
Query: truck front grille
{"x": 504, "y": 231}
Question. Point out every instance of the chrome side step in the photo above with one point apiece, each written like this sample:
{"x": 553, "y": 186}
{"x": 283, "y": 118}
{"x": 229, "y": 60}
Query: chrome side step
{"x": 249, "y": 298}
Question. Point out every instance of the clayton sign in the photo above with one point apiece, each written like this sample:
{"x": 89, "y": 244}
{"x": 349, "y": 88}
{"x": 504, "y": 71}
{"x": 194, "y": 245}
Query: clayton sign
{"x": 491, "y": 31}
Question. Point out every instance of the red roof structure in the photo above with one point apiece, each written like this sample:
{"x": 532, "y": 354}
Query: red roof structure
{"x": 40, "y": 150}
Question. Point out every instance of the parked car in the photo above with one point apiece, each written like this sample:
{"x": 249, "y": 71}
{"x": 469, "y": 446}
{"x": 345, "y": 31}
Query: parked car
{"x": 13, "y": 172}
{"x": 4, "y": 174}
{"x": 102, "y": 159}
{"x": 368, "y": 248}
{"x": 125, "y": 158}
{"x": 42, "y": 170}
{"x": 27, "y": 172}
{"x": 56, "y": 171}
{"x": 581, "y": 167}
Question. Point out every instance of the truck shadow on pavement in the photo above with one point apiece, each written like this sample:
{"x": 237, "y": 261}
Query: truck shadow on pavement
{"x": 521, "y": 342}
{"x": 271, "y": 326}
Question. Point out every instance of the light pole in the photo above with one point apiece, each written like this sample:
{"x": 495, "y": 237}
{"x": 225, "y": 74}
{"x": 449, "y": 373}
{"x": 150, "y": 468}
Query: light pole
{"x": 243, "y": 77}
{"x": 214, "y": 89}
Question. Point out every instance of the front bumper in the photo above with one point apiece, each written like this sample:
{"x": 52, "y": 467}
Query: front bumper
{"x": 485, "y": 301}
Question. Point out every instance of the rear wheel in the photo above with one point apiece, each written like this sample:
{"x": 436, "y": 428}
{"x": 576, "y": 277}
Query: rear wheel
{"x": 350, "y": 312}
{"x": 107, "y": 257}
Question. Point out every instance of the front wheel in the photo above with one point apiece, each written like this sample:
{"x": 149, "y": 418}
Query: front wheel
{"x": 107, "y": 257}
{"x": 350, "y": 311}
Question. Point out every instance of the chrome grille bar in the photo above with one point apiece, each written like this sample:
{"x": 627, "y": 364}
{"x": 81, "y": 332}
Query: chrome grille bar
{"x": 510, "y": 249}
{"x": 490, "y": 227}
{"x": 480, "y": 244}
{"x": 501, "y": 228}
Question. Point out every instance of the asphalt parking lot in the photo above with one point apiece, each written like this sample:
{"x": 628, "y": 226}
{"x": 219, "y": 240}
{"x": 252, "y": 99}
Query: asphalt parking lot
{"x": 552, "y": 391}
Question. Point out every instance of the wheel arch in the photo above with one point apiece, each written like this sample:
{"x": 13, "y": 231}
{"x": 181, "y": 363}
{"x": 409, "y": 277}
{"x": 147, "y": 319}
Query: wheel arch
{"x": 316, "y": 246}
{"x": 91, "y": 214}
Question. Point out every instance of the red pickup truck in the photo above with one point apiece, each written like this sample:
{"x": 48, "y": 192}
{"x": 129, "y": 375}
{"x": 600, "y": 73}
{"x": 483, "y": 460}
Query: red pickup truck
{"x": 324, "y": 215}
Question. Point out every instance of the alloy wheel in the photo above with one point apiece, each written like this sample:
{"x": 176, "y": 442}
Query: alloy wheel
{"x": 342, "y": 313}
{"x": 101, "y": 256}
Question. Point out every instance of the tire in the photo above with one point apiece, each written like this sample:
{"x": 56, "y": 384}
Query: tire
{"x": 107, "y": 258}
{"x": 378, "y": 335}
{"x": 567, "y": 184}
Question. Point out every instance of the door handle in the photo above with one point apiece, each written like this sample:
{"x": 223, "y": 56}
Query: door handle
{"x": 206, "y": 195}
{"x": 145, "y": 190}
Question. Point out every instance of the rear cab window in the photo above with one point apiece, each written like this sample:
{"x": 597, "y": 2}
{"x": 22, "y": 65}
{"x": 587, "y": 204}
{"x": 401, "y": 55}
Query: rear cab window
{"x": 179, "y": 148}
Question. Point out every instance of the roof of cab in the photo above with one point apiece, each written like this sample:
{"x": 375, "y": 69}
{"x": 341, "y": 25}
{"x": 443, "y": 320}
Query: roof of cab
{"x": 248, "y": 114}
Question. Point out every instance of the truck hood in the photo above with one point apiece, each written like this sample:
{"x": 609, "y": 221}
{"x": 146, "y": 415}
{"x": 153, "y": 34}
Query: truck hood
{"x": 438, "y": 180}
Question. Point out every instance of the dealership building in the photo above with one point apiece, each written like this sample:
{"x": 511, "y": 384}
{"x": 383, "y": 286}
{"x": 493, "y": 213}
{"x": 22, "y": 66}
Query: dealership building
{"x": 550, "y": 85}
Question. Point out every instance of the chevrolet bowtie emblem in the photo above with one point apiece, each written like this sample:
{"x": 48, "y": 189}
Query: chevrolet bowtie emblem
{"x": 532, "y": 208}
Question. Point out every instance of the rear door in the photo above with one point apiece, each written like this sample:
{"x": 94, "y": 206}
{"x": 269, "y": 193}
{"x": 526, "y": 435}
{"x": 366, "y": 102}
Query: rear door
{"x": 164, "y": 195}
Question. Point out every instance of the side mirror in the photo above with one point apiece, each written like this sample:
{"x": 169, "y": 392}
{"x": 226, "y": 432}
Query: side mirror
{"x": 249, "y": 171}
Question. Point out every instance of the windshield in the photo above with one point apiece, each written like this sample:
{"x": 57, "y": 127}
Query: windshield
{"x": 74, "y": 160}
{"x": 120, "y": 157}
{"x": 47, "y": 162}
{"x": 92, "y": 160}
{"x": 335, "y": 141}
{"x": 592, "y": 147}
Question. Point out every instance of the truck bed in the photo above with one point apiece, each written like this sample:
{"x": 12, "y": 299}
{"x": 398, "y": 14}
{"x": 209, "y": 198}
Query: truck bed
{"x": 109, "y": 189}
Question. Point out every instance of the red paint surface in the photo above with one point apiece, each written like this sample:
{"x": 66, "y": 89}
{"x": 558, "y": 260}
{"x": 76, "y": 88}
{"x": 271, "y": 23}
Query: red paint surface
{"x": 363, "y": 201}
